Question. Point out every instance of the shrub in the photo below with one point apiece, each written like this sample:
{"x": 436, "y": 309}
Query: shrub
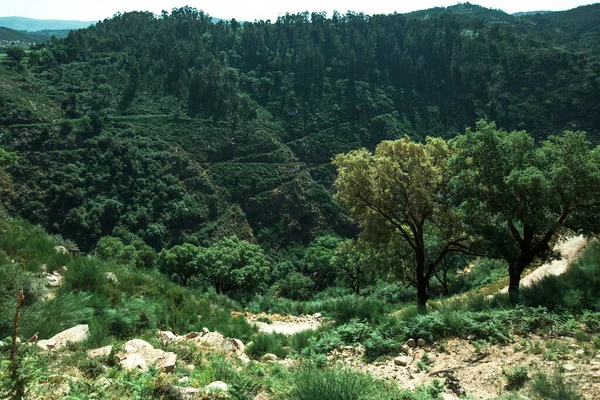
{"x": 516, "y": 377}
{"x": 554, "y": 386}
{"x": 377, "y": 346}
{"x": 296, "y": 286}
{"x": 264, "y": 343}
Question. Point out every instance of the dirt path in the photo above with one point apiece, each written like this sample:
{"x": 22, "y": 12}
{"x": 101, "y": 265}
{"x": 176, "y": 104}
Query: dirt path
{"x": 284, "y": 324}
{"x": 569, "y": 249}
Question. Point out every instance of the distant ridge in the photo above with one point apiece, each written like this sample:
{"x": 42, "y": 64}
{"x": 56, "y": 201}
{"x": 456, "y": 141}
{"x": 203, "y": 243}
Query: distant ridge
{"x": 35, "y": 25}
{"x": 522, "y": 13}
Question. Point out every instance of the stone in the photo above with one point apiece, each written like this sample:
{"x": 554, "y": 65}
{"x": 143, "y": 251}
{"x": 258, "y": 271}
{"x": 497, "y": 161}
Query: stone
{"x": 401, "y": 361}
{"x": 133, "y": 361}
{"x": 167, "y": 336}
{"x": 405, "y": 348}
{"x": 411, "y": 343}
{"x": 187, "y": 393}
{"x": 569, "y": 367}
{"x": 317, "y": 316}
{"x": 205, "y": 331}
{"x": 184, "y": 380}
{"x": 111, "y": 277}
{"x": 237, "y": 346}
{"x": 75, "y": 334}
{"x": 192, "y": 335}
{"x": 268, "y": 357}
{"x": 61, "y": 249}
{"x": 449, "y": 396}
{"x": 62, "y": 270}
{"x": 54, "y": 280}
{"x": 244, "y": 359}
{"x": 421, "y": 342}
{"x": 101, "y": 352}
{"x": 137, "y": 344}
{"x": 216, "y": 387}
{"x": 137, "y": 348}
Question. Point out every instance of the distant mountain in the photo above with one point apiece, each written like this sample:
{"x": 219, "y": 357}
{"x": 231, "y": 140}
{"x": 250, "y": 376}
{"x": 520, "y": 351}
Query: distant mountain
{"x": 31, "y": 37}
{"x": 522, "y": 13}
{"x": 35, "y": 25}
{"x": 466, "y": 9}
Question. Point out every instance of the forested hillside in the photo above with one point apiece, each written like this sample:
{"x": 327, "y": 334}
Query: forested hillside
{"x": 172, "y": 128}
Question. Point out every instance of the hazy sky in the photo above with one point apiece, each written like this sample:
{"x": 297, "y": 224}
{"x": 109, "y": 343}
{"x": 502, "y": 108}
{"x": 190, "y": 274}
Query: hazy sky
{"x": 249, "y": 10}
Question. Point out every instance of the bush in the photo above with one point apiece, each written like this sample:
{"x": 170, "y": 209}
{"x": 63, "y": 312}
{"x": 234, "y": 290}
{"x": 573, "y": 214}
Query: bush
{"x": 554, "y": 386}
{"x": 264, "y": 343}
{"x": 296, "y": 286}
{"x": 515, "y": 377}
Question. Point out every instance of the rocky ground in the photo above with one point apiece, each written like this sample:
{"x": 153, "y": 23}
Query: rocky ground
{"x": 284, "y": 324}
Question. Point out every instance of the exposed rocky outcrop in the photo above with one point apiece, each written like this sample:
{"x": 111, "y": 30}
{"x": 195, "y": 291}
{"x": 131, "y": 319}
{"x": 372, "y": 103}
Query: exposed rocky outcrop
{"x": 76, "y": 334}
{"x": 140, "y": 354}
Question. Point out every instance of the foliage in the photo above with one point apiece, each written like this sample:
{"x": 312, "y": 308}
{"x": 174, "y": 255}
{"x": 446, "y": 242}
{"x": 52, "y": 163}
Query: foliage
{"x": 516, "y": 377}
{"x": 296, "y": 286}
{"x": 553, "y": 386}
{"x": 373, "y": 185}
{"x": 518, "y": 195}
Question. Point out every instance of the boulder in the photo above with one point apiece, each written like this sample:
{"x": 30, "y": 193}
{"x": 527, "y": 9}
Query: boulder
{"x": 268, "y": 357}
{"x": 405, "y": 348}
{"x": 167, "y": 336}
{"x": 137, "y": 348}
{"x": 205, "y": 331}
{"x": 187, "y": 393}
{"x": 76, "y": 334}
{"x": 133, "y": 361}
{"x": 216, "y": 387}
{"x": 61, "y": 249}
{"x": 101, "y": 352}
{"x": 317, "y": 316}
{"x": 411, "y": 343}
{"x": 402, "y": 361}
{"x": 235, "y": 345}
{"x": 192, "y": 335}
{"x": 421, "y": 342}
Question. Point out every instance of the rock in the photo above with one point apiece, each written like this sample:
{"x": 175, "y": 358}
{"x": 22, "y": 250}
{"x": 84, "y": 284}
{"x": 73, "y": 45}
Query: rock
{"x": 167, "y": 336}
{"x": 111, "y": 277}
{"x": 401, "y": 361}
{"x": 138, "y": 348}
{"x": 61, "y": 249}
{"x": 76, "y": 334}
{"x": 236, "y": 345}
{"x": 133, "y": 361}
{"x": 405, "y": 348}
{"x": 187, "y": 393}
{"x": 568, "y": 367}
{"x": 268, "y": 357}
{"x": 62, "y": 270}
{"x": 101, "y": 352}
{"x": 192, "y": 335}
{"x": 205, "y": 331}
{"x": 317, "y": 316}
{"x": 449, "y": 396}
{"x": 216, "y": 387}
{"x": 244, "y": 359}
{"x": 184, "y": 380}
{"x": 421, "y": 342}
{"x": 46, "y": 344}
{"x": 136, "y": 345}
{"x": 411, "y": 343}
{"x": 54, "y": 280}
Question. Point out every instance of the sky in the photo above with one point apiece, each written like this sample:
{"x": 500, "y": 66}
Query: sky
{"x": 250, "y": 10}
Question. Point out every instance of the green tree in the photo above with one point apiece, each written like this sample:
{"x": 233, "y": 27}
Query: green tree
{"x": 15, "y": 56}
{"x": 317, "y": 260}
{"x": 518, "y": 195}
{"x": 232, "y": 264}
{"x": 6, "y": 160}
{"x": 400, "y": 190}
{"x": 181, "y": 261}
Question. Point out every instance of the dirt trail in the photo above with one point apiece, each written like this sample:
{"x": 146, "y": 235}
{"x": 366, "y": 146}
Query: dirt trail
{"x": 285, "y": 324}
{"x": 569, "y": 249}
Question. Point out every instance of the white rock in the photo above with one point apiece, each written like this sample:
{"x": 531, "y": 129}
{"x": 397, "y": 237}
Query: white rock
{"x": 75, "y": 334}
{"x": 401, "y": 361}
{"x": 449, "y": 396}
{"x": 133, "y": 361}
{"x": 268, "y": 357}
{"x": 184, "y": 380}
{"x": 216, "y": 387}
{"x": 167, "y": 336}
{"x": 187, "y": 393}
{"x": 137, "y": 344}
{"x": 317, "y": 316}
{"x": 205, "y": 331}
{"x": 101, "y": 352}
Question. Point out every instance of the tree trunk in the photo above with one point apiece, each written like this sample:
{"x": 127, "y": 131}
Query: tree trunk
{"x": 422, "y": 292}
{"x": 514, "y": 273}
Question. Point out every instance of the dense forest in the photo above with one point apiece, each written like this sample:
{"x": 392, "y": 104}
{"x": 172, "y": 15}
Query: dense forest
{"x": 182, "y": 173}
